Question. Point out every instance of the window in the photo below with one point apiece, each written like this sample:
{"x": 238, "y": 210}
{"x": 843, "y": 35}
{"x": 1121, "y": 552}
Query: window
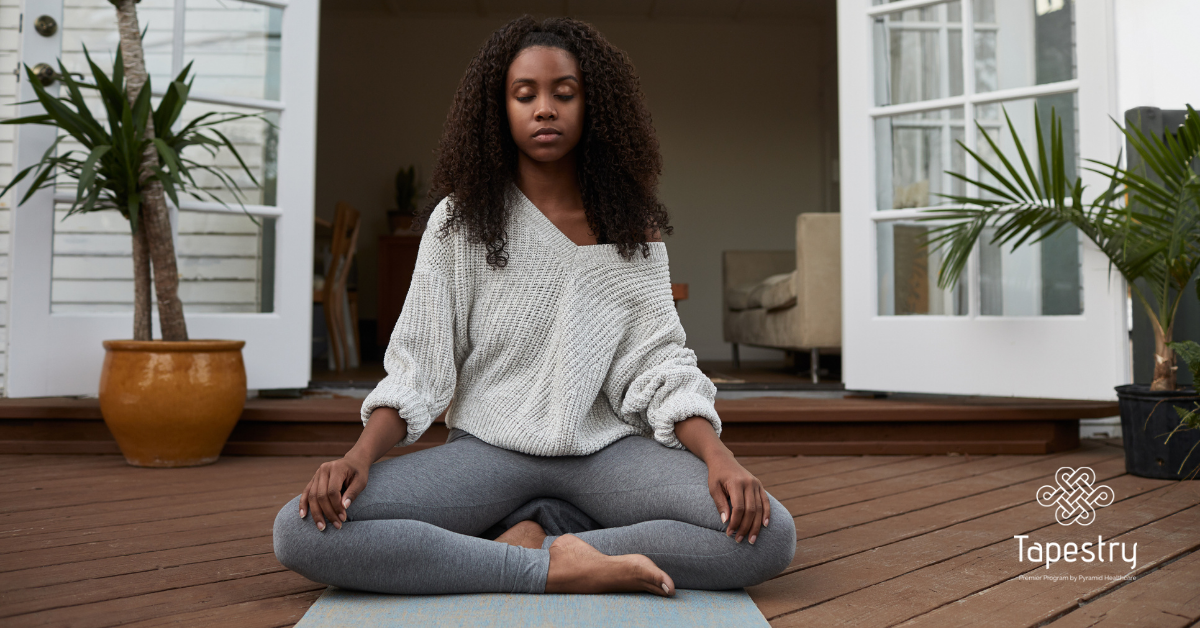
{"x": 940, "y": 68}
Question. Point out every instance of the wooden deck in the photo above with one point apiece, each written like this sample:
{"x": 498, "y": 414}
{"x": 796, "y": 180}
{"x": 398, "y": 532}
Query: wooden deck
{"x": 324, "y": 424}
{"x": 883, "y": 540}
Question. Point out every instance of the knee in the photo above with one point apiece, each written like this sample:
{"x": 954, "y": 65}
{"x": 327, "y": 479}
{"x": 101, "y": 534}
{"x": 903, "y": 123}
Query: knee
{"x": 287, "y": 535}
{"x": 776, "y": 543}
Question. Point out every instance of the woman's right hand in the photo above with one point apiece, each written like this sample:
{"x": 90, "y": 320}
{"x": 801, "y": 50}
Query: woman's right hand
{"x": 324, "y": 494}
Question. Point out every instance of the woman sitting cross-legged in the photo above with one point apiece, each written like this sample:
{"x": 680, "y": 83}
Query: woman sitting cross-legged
{"x": 540, "y": 313}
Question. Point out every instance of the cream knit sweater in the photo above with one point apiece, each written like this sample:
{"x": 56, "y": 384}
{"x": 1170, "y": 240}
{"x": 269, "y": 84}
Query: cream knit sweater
{"x": 565, "y": 350}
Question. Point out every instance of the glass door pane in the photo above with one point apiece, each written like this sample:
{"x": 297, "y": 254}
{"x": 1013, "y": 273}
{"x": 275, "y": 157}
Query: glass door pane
{"x": 234, "y": 48}
{"x": 1042, "y": 278}
{"x": 918, "y": 54}
{"x": 913, "y": 153}
{"x": 1021, "y": 44}
{"x": 908, "y": 273}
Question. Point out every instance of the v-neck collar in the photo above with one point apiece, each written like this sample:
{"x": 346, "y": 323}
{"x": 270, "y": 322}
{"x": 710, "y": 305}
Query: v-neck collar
{"x": 566, "y": 247}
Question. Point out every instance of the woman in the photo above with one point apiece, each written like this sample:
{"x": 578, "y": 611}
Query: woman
{"x": 541, "y": 306}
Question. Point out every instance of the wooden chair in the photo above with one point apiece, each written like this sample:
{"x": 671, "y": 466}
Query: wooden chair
{"x": 341, "y": 312}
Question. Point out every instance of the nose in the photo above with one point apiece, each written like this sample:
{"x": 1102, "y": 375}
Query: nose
{"x": 545, "y": 110}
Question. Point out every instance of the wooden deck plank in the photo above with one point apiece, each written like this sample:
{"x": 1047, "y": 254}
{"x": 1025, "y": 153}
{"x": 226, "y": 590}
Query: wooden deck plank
{"x": 43, "y": 576}
{"x": 885, "y": 560}
{"x": 1018, "y": 602}
{"x": 51, "y": 463}
{"x": 144, "y": 487}
{"x": 1167, "y": 598}
{"x": 126, "y": 610}
{"x": 919, "y": 510}
{"x": 12, "y": 527}
{"x": 266, "y": 613}
{"x": 987, "y": 569}
{"x": 852, "y": 463}
{"x": 139, "y": 538}
{"x": 793, "y": 462}
{"x": 845, "y": 531}
{"x": 973, "y": 466}
{"x": 851, "y": 479}
{"x": 69, "y": 513}
{"x": 747, "y": 461}
{"x": 135, "y": 584}
{"x": 102, "y": 478}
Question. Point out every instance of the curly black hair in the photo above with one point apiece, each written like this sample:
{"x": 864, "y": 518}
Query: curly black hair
{"x": 617, "y": 157}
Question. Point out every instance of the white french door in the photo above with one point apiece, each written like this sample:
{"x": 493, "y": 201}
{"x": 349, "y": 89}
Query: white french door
{"x": 70, "y": 278}
{"x": 915, "y": 76}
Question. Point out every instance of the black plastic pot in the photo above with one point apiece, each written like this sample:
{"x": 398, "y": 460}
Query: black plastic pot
{"x": 1147, "y": 417}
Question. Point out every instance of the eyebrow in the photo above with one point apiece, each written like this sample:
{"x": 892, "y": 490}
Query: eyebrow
{"x": 560, "y": 79}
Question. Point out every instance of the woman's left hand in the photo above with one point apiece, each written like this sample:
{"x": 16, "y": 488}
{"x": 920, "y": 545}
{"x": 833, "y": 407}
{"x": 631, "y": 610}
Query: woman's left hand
{"x": 739, "y": 496}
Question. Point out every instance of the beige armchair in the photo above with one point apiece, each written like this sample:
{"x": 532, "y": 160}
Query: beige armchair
{"x": 789, "y": 300}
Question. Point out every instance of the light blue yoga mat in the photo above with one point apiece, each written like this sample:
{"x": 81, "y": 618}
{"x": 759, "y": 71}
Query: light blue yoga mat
{"x": 342, "y": 607}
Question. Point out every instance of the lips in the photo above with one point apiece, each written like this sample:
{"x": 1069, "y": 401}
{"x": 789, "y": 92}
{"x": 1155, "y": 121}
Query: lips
{"x": 547, "y": 133}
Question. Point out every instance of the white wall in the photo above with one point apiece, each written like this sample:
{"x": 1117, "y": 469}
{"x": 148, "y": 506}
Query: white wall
{"x": 743, "y": 109}
{"x": 1157, "y": 51}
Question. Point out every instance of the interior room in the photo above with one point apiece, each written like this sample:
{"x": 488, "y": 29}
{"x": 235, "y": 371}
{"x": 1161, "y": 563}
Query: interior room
{"x": 744, "y": 101}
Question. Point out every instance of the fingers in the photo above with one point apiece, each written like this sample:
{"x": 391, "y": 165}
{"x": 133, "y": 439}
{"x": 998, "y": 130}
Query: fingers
{"x": 324, "y": 497}
{"x": 756, "y": 494}
{"x": 323, "y": 502}
{"x": 668, "y": 585}
{"x": 737, "y": 500}
{"x": 718, "y": 496}
{"x": 337, "y": 481}
{"x": 331, "y": 493}
{"x": 357, "y": 484}
{"x": 304, "y": 499}
{"x": 751, "y": 514}
{"x": 766, "y": 502}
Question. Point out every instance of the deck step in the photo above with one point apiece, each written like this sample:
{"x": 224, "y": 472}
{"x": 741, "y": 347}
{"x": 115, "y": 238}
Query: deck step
{"x": 768, "y": 425}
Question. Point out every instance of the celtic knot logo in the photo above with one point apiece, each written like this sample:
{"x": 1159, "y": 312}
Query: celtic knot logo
{"x": 1076, "y": 496}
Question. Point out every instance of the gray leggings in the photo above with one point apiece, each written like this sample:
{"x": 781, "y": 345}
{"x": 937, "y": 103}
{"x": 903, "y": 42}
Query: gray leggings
{"x": 423, "y": 522}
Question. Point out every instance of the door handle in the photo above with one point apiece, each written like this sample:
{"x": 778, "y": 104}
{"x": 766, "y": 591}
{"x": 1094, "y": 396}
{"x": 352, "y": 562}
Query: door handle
{"x": 46, "y": 74}
{"x": 45, "y": 26}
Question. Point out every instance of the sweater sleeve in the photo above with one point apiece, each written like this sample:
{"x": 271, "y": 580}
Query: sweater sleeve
{"x": 671, "y": 388}
{"x": 420, "y": 356}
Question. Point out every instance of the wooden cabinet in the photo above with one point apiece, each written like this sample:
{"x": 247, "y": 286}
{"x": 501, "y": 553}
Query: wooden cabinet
{"x": 397, "y": 258}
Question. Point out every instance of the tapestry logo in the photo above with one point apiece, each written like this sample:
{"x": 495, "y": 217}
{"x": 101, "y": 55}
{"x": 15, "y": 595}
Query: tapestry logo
{"x": 1076, "y": 496}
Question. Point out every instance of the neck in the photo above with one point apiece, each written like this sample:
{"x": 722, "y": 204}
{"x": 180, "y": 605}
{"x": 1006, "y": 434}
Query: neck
{"x": 550, "y": 185}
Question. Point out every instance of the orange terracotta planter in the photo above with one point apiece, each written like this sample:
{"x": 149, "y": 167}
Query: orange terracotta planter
{"x": 172, "y": 404}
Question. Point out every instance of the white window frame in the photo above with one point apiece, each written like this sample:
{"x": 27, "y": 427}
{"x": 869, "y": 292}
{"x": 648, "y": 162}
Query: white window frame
{"x": 1079, "y": 357}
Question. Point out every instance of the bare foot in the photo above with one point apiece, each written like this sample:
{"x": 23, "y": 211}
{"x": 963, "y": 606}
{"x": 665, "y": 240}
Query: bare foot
{"x": 525, "y": 534}
{"x": 576, "y": 567}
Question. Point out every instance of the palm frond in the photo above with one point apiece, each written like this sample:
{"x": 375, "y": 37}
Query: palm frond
{"x": 1154, "y": 236}
{"x": 108, "y": 174}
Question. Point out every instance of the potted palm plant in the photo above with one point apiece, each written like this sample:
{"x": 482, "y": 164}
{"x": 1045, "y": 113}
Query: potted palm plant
{"x": 1148, "y": 227}
{"x": 170, "y": 402}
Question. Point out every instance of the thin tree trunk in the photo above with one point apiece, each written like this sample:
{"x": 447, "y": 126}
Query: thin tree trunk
{"x": 141, "y": 284}
{"x": 1164, "y": 358}
{"x": 154, "y": 213}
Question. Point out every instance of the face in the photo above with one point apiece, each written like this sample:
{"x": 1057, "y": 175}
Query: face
{"x": 545, "y": 102}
